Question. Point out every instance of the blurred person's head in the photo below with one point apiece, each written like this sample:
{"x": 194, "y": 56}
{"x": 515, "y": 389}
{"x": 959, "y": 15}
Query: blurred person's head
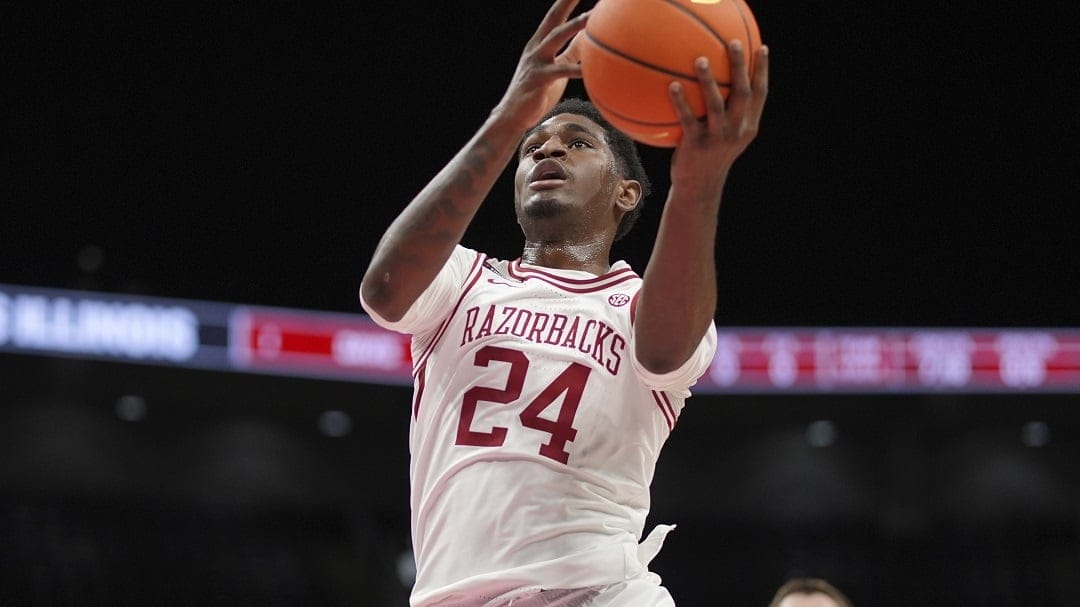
{"x": 809, "y": 592}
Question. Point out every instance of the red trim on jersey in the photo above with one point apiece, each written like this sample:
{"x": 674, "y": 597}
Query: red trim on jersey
{"x": 573, "y": 285}
{"x": 521, "y": 268}
{"x": 633, "y": 306}
{"x": 475, "y": 271}
{"x": 666, "y": 408}
{"x": 421, "y": 380}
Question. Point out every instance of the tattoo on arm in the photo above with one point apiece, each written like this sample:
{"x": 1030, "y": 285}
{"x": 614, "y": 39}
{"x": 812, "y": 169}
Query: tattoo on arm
{"x": 447, "y": 215}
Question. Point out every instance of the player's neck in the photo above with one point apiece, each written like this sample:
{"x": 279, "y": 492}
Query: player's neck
{"x": 592, "y": 257}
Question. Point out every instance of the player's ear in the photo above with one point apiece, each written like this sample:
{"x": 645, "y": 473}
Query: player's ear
{"x": 629, "y": 195}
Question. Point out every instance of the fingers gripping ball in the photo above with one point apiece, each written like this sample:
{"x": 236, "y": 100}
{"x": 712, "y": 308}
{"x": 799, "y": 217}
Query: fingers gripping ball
{"x": 633, "y": 49}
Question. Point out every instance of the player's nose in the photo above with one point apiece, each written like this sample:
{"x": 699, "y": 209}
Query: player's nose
{"x": 551, "y": 148}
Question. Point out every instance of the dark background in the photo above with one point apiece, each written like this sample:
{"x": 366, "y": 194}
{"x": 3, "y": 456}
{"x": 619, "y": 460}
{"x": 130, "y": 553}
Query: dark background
{"x": 916, "y": 167}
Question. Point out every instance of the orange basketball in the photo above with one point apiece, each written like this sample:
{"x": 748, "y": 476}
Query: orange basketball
{"x": 633, "y": 49}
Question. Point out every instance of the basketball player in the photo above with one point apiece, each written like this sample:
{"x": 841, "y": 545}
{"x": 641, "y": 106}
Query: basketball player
{"x": 545, "y": 386}
{"x": 809, "y": 592}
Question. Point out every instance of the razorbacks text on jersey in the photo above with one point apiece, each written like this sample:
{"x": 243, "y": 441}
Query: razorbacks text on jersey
{"x": 535, "y": 432}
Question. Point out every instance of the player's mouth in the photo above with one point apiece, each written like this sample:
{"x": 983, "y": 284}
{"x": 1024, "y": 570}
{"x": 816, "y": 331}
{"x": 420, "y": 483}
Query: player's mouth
{"x": 547, "y": 174}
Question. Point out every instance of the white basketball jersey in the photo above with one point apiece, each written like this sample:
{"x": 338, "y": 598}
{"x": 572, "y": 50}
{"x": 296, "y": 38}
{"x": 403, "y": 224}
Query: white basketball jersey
{"x": 534, "y": 432}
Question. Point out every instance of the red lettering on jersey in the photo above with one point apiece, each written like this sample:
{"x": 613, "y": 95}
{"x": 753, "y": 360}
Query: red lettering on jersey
{"x": 571, "y": 334}
{"x": 470, "y": 320}
{"x": 589, "y": 336}
{"x": 570, "y": 384}
{"x": 585, "y": 337}
{"x": 567, "y": 387}
{"x": 555, "y": 336}
{"x": 540, "y": 321}
{"x": 485, "y": 327}
{"x": 618, "y": 344}
{"x": 504, "y": 326}
{"x": 602, "y": 333}
{"x": 515, "y": 380}
{"x": 521, "y": 323}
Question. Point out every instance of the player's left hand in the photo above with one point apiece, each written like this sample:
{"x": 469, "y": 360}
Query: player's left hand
{"x": 709, "y": 146}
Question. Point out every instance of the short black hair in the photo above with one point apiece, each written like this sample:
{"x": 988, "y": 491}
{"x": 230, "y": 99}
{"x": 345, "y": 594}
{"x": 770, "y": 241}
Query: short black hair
{"x": 626, "y": 153}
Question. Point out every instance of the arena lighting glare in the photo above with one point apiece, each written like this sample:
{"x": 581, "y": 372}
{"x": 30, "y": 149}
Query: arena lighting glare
{"x": 821, "y": 433}
{"x": 1035, "y": 434}
{"x": 130, "y": 408}
{"x": 335, "y": 424}
{"x": 90, "y": 259}
{"x": 406, "y": 569}
{"x": 350, "y": 347}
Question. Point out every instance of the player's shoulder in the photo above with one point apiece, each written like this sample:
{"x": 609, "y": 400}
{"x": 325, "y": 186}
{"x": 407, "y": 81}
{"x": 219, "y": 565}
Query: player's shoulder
{"x": 464, "y": 261}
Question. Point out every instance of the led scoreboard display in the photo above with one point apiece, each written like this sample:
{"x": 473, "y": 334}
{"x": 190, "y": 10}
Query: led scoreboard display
{"x": 338, "y": 346}
{"x": 900, "y": 360}
{"x": 350, "y": 347}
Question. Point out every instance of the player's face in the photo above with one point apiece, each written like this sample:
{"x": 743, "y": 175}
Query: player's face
{"x": 566, "y": 178}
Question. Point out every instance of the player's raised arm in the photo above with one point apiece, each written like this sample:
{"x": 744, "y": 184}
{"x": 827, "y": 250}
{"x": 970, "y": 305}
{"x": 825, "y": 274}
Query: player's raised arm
{"x": 678, "y": 295}
{"x": 421, "y": 239}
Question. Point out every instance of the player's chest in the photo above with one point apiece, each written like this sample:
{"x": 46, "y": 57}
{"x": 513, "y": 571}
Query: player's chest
{"x": 545, "y": 323}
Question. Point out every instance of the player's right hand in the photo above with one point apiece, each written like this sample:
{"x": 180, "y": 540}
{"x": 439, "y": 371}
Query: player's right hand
{"x": 549, "y": 60}
{"x": 710, "y": 146}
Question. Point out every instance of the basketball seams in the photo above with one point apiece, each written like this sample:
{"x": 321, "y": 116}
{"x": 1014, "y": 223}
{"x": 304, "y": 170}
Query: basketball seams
{"x": 634, "y": 49}
{"x": 705, "y": 24}
{"x": 697, "y": 19}
{"x": 635, "y": 121}
{"x": 636, "y": 61}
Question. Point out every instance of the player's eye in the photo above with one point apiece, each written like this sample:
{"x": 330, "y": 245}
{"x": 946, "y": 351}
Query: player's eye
{"x": 531, "y": 148}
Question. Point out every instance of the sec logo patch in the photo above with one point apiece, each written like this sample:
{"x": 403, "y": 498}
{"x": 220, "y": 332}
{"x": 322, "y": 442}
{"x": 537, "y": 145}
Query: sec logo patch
{"x": 619, "y": 299}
